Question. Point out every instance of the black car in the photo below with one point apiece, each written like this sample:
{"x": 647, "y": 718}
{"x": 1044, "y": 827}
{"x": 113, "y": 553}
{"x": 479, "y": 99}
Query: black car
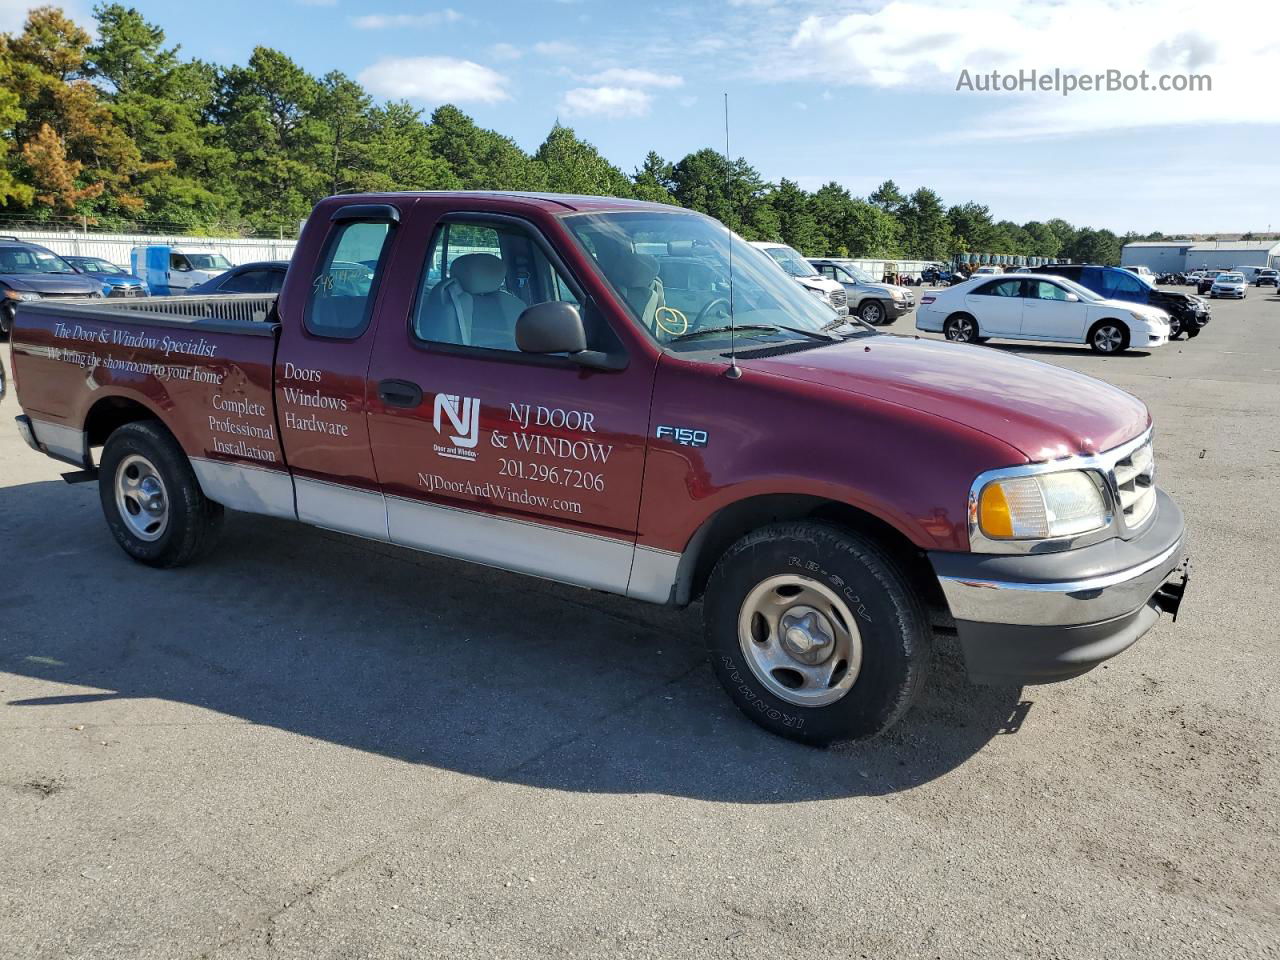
{"x": 1187, "y": 314}
{"x": 30, "y": 272}
{"x": 1267, "y": 278}
{"x": 265, "y": 276}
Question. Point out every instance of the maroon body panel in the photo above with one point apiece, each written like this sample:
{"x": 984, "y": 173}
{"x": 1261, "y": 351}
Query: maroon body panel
{"x": 212, "y": 390}
{"x": 894, "y": 426}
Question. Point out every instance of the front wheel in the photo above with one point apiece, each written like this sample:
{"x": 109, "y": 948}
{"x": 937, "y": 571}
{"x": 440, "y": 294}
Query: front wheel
{"x": 962, "y": 328}
{"x": 151, "y": 499}
{"x": 1108, "y": 337}
{"x": 6, "y": 321}
{"x": 815, "y": 633}
{"x": 872, "y": 312}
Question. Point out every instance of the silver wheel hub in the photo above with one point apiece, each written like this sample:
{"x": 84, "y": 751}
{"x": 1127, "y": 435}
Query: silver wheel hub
{"x": 800, "y": 639}
{"x": 141, "y": 498}
{"x": 1107, "y": 339}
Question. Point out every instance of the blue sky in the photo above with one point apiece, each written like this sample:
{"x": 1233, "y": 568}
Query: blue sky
{"x": 852, "y": 91}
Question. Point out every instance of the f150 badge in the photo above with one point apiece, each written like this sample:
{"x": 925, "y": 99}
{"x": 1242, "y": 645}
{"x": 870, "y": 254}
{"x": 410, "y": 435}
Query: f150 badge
{"x": 683, "y": 436}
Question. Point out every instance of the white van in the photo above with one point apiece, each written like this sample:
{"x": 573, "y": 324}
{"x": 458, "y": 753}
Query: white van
{"x": 169, "y": 270}
{"x": 806, "y": 274}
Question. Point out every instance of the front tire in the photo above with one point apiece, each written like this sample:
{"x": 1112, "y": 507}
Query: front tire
{"x": 1109, "y": 337}
{"x": 6, "y": 321}
{"x": 873, "y": 312}
{"x": 815, "y": 633}
{"x": 151, "y": 499}
{"x": 962, "y": 328}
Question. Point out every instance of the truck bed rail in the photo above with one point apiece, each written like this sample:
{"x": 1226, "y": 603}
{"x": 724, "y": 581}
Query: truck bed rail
{"x": 242, "y": 313}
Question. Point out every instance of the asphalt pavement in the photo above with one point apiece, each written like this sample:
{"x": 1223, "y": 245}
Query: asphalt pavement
{"x": 315, "y": 746}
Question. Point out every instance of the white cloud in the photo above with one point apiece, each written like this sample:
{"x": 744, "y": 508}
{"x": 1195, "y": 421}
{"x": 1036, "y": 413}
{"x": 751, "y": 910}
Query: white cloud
{"x": 621, "y": 76}
{"x": 435, "y": 80}
{"x": 554, "y": 48}
{"x": 923, "y": 45}
{"x": 605, "y": 102}
{"x": 384, "y": 21}
{"x": 687, "y": 101}
{"x": 505, "y": 51}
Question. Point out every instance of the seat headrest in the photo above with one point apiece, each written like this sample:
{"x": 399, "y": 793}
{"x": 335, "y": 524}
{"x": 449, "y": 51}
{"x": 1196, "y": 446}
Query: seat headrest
{"x": 479, "y": 273}
{"x": 633, "y": 269}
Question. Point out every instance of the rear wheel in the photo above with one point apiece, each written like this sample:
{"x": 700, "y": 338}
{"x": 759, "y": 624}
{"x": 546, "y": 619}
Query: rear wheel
{"x": 961, "y": 328}
{"x": 6, "y": 321}
{"x": 151, "y": 499}
{"x": 815, "y": 633}
{"x": 1109, "y": 336}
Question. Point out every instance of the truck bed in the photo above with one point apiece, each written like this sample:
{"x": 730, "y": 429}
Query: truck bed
{"x": 80, "y": 366}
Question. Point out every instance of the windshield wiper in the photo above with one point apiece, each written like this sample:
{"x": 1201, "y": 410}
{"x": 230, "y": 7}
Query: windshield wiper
{"x": 859, "y": 325}
{"x": 771, "y": 327}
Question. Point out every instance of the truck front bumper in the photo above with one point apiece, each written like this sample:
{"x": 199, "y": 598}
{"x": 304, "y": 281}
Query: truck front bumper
{"x": 1038, "y": 618}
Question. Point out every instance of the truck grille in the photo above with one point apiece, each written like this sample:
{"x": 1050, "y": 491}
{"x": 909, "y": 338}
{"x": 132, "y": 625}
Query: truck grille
{"x": 838, "y": 299}
{"x": 126, "y": 290}
{"x": 1133, "y": 483}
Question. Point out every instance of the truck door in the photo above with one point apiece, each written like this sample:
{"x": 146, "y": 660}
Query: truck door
{"x": 528, "y": 462}
{"x": 997, "y": 305}
{"x": 327, "y": 335}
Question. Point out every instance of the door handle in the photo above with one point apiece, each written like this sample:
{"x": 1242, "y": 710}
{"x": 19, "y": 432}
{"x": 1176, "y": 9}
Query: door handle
{"x": 399, "y": 393}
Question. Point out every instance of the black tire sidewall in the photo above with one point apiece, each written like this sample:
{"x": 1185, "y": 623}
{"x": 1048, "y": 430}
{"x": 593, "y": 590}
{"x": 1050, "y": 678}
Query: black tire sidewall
{"x": 894, "y": 630}
{"x": 1124, "y": 337}
{"x": 955, "y": 319}
{"x": 191, "y": 515}
{"x": 875, "y": 308}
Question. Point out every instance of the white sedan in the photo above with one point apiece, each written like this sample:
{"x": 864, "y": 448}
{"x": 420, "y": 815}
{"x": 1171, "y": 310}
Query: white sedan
{"x": 1022, "y": 306}
{"x": 1228, "y": 285}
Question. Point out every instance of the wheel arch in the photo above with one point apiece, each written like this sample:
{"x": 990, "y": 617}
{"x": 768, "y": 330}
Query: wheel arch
{"x": 110, "y": 413}
{"x": 735, "y": 520}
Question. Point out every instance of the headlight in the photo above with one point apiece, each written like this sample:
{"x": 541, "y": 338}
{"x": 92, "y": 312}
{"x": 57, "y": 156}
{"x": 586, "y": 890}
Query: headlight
{"x": 820, "y": 294}
{"x": 1151, "y": 318}
{"x": 20, "y": 295}
{"x": 1041, "y": 507}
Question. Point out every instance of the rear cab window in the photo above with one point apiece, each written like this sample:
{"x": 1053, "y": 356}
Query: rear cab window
{"x": 346, "y": 279}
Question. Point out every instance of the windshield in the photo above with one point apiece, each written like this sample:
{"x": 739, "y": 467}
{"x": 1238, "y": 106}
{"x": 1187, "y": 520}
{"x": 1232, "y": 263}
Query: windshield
{"x": 208, "y": 261}
{"x": 672, "y": 271}
{"x": 791, "y": 261}
{"x": 94, "y": 265}
{"x": 1231, "y": 277}
{"x": 31, "y": 260}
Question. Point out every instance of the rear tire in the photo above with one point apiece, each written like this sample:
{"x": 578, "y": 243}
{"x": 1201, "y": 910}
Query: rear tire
{"x": 1109, "y": 337}
{"x": 151, "y": 499}
{"x": 6, "y": 321}
{"x": 816, "y": 633}
{"x": 961, "y": 328}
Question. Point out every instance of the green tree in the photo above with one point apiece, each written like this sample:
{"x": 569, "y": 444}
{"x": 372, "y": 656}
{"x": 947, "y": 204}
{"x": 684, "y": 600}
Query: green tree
{"x": 973, "y": 222}
{"x": 732, "y": 192}
{"x": 1095, "y": 246}
{"x": 343, "y": 108}
{"x": 925, "y": 227}
{"x": 797, "y": 224}
{"x": 653, "y": 180}
{"x": 401, "y": 153}
{"x": 571, "y": 165}
{"x": 888, "y": 198}
{"x": 482, "y": 159}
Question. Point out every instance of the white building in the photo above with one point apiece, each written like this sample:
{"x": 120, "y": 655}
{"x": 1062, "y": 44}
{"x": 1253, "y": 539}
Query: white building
{"x": 1178, "y": 256}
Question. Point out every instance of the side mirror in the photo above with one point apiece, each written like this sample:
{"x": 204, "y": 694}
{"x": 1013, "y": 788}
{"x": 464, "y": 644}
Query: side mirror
{"x": 1072, "y": 298}
{"x": 551, "y": 327}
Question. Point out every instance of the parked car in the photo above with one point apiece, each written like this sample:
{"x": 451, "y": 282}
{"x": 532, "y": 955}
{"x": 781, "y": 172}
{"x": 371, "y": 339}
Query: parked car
{"x": 938, "y": 275}
{"x": 1036, "y": 307}
{"x": 1267, "y": 278}
{"x": 988, "y": 270}
{"x": 802, "y": 272}
{"x": 116, "y": 281}
{"x": 1230, "y": 285}
{"x": 263, "y": 276}
{"x": 1205, "y": 282}
{"x": 875, "y": 303}
{"x": 172, "y": 270}
{"x": 1250, "y": 272}
{"x": 514, "y": 389}
{"x": 30, "y": 272}
{"x": 1142, "y": 273}
{"x": 1187, "y": 314}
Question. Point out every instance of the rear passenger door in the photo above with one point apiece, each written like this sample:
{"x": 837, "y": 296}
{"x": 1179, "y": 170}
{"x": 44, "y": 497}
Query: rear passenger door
{"x": 997, "y": 306}
{"x": 528, "y": 462}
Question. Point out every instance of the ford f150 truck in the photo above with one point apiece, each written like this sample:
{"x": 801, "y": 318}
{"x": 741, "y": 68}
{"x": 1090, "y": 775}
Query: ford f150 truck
{"x": 507, "y": 380}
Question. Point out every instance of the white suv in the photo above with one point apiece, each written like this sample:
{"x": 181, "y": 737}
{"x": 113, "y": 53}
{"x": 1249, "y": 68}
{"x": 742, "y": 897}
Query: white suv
{"x": 803, "y": 272}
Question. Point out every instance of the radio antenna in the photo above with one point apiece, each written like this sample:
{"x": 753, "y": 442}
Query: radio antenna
{"x": 734, "y": 371}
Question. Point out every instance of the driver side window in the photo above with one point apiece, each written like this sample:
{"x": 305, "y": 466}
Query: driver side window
{"x": 478, "y": 278}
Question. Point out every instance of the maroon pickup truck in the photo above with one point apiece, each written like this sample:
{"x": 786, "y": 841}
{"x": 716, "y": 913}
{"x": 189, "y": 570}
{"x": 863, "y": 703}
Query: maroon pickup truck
{"x": 625, "y": 397}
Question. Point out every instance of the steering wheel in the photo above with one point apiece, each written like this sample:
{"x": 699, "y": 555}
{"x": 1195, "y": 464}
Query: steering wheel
{"x": 671, "y": 321}
{"x": 707, "y": 308}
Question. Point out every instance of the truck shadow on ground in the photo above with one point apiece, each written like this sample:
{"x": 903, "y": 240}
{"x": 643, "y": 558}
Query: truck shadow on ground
{"x": 426, "y": 660}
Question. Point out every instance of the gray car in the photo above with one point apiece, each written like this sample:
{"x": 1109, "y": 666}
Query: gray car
{"x": 872, "y": 301}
